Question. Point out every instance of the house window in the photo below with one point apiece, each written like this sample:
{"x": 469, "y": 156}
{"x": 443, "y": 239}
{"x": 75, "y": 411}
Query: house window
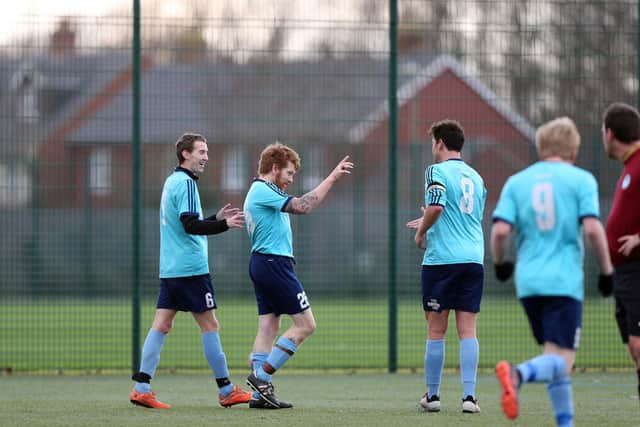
{"x": 100, "y": 172}
{"x": 15, "y": 185}
{"x": 313, "y": 167}
{"x": 234, "y": 169}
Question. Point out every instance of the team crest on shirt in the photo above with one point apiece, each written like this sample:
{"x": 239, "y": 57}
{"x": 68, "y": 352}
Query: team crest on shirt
{"x": 626, "y": 181}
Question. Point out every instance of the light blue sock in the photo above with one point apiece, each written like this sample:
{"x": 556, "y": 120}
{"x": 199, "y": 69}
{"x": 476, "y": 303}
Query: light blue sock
{"x": 433, "y": 364}
{"x": 560, "y": 394}
{"x": 545, "y": 368}
{"x": 469, "y": 350}
{"x": 281, "y": 352}
{"x": 257, "y": 359}
{"x": 216, "y": 358}
{"x": 150, "y": 357}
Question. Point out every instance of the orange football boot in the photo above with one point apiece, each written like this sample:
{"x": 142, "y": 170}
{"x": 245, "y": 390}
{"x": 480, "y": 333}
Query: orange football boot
{"x": 148, "y": 400}
{"x": 236, "y": 396}
{"x": 505, "y": 375}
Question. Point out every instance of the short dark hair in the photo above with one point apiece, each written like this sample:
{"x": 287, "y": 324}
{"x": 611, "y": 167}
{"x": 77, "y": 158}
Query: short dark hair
{"x": 624, "y": 122}
{"x": 450, "y": 132}
{"x": 187, "y": 142}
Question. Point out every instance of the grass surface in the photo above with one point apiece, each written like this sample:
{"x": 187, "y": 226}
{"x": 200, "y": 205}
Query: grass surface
{"x": 352, "y": 334}
{"x": 320, "y": 400}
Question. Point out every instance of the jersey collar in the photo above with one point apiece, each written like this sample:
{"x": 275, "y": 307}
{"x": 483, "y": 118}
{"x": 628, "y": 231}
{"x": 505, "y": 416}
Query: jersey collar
{"x": 187, "y": 171}
{"x": 626, "y": 156}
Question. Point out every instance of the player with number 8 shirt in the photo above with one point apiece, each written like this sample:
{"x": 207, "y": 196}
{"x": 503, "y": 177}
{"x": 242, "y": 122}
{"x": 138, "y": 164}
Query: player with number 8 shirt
{"x": 452, "y": 271}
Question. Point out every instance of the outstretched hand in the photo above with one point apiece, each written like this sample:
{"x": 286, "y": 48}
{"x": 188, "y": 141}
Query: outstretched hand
{"x": 343, "y": 168}
{"x": 415, "y": 223}
{"x": 233, "y": 216}
{"x": 236, "y": 220}
{"x": 226, "y": 212}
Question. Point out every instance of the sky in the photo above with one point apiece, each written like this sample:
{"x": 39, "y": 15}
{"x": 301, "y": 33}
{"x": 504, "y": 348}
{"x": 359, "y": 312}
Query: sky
{"x": 15, "y": 12}
{"x": 22, "y": 19}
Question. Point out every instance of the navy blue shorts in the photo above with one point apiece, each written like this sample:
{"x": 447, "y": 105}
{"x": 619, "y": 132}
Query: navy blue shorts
{"x": 452, "y": 287}
{"x": 277, "y": 288}
{"x": 554, "y": 319}
{"x": 194, "y": 294}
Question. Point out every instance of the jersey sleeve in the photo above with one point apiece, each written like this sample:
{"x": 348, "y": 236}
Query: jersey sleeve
{"x": 588, "y": 198}
{"x": 268, "y": 195}
{"x": 435, "y": 187}
{"x": 506, "y": 207}
{"x": 185, "y": 194}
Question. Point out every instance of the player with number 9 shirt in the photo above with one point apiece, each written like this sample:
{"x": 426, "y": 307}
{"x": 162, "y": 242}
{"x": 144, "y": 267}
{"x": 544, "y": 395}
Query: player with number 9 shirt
{"x": 548, "y": 205}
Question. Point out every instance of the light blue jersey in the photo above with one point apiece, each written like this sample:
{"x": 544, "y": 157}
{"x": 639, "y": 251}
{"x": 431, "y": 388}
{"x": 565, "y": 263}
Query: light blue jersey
{"x": 181, "y": 254}
{"x": 457, "y": 235}
{"x": 267, "y": 223}
{"x": 545, "y": 203}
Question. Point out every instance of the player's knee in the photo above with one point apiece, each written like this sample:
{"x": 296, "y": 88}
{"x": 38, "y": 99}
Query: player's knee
{"x": 163, "y": 327}
{"x": 634, "y": 349}
{"x": 307, "y": 329}
{"x": 312, "y": 327}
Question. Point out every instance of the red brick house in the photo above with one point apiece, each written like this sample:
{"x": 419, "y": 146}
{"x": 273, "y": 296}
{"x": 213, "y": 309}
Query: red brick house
{"x": 323, "y": 108}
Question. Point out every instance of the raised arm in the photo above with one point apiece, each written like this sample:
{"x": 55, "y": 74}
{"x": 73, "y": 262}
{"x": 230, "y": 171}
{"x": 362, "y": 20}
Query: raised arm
{"x": 311, "y": 200}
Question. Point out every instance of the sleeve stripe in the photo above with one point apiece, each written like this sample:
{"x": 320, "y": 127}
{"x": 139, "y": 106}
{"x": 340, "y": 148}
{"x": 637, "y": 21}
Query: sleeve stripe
{"x": 583, "y": 217}
{"x": 286, "y": 202}
{"x": 498, "y": 218}
{"x": 436, "y": 186}
{"x": 435, "y": 197}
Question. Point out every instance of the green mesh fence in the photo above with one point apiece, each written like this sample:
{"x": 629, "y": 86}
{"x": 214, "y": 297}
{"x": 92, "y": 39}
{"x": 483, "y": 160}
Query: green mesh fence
{"x": 314, "y": 75}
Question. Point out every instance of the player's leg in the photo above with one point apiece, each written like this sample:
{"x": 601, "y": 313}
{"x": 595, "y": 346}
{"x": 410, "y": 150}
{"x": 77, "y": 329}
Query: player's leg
{"x": 437, "y": 323}
{"x": 268, "y": 327}
{"x": 278, "y": 291}
{"x": 435, "y": 282}
{"x": 556, "y": 323}
{"x": 229, "y": 393}
{"x": 153, "y": 343}
{"x": 627, "y": 297}
{"x": 508, "y": 375}
{"x": 469, "y": 355}
{"x": 196, "y": 295}
{"x": 469, "y": 284}
{"x": 559, "y": 387}
{"x": 634, "y": 352}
